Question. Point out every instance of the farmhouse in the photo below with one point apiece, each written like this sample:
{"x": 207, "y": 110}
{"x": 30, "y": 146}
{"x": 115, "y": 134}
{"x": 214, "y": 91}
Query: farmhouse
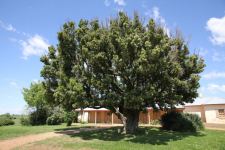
{"x": 211, "y": 110}
{"x": 102, "y": 115}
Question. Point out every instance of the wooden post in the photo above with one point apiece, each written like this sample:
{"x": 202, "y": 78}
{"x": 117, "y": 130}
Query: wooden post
{"x": 82, "y": 116}
{"x": 95, "y": 117}
{"x": 112, "y": 118}
{"x": 149, "y": 117}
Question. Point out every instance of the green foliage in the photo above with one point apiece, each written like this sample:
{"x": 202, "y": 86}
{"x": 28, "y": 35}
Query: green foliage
{"x": 125, "y": 66}
{"x": 6, "y": 119}
{"x": 38, "y": 117}
{"x": 7, "y": 115}
{"x": 70, "y": 117}
{"x": 37, "y": 100}
{"x": 155, "y": 122}
{"x": 196, "y": 121}
{"x": 181, "y": 122}
{"x": 25, "y": 121}
{"x": 55, "y": 119}
{"x": 34, "y": 95}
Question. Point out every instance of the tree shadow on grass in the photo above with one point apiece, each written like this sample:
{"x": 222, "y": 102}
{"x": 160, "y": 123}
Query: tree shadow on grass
{"x": 73, "y": 130}
{"x": 144, "y": 135}
{"x": 73, "y": 127}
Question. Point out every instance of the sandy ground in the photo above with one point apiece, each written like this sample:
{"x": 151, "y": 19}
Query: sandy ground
{"x": 16, "y": 142}
{"x": 20, "y": 141}
{"x": 215, "y": 126}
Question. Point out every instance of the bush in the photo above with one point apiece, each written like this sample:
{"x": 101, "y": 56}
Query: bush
{"x": 196, "y": 120}
{"x": 181, "y": 122}
{"x": 25, "y": 121}
{"x": 155, "y": 122}
{"x": 55, "y": 119}
{"x": 38, "y": 117}
{"x": 6, "y": 119}
{"x": 71, "y": 117}
{"x": 35, "y": 117}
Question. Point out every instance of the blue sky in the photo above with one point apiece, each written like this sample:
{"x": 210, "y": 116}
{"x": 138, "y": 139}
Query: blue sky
{"x": 28, "y": 27}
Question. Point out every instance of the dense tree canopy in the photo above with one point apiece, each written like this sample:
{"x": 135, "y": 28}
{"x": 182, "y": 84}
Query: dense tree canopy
{"x": 124, "y": 66}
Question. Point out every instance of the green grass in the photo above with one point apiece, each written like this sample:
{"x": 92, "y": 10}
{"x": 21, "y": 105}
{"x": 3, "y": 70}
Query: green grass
{"x": 7, "y": 132}
{"x": 17, "y": 120}
{"x": 146, "y": 138}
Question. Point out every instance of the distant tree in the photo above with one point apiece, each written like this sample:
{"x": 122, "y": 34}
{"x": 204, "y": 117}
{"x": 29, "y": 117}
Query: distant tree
{"x": 35, "y": 95}
{"x": 124, "y": 66}
{"x": 36, "y": 99}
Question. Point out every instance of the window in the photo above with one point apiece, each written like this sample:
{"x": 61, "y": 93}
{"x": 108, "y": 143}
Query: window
{"x": 221, "y": 113}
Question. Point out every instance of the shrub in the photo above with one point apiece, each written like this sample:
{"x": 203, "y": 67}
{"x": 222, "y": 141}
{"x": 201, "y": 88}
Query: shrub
{"x": 25, "y": 121}
{"x": 6, "y": 119}
{"x": 55, "y": 119}
{"x": 38, "y": 117}
{"x": 181, "y": 122}
{"x": 196, "y": 120}
{"x": 6, "y": 122}
{"x": 70, "y": 117}
{"x": 155, "y": 122}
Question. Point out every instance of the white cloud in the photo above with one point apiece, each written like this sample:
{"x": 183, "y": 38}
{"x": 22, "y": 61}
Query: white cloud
{"x": 215, "y": 88}
{"x": 120, "y": 2}
{"x": 155, "y": 14}
{"x": 213, "y": 75}
{"x": 7, "y": 27}
{"x": 11, "y": 28}
{"x": 35, "y": 45}
{"x": 107, "y": 3}
{"x": 217, "y": 28}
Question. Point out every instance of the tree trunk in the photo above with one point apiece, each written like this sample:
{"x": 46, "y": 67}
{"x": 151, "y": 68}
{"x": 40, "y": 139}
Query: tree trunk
{"x": 129, "y": 118}
{"x": 132, "y": 119}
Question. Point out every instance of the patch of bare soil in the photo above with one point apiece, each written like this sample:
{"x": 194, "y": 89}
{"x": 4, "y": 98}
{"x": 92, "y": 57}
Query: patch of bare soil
{"x": 214, "y": 126}
{"x": 39, "y": 147}
{"x": 16, "y": 142}
{"x": 20, "y": 141}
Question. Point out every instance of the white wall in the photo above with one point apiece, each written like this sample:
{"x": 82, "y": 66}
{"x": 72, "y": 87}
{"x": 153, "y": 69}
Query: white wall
{"x": 83, "y": 117}
{"x": 197, "y": 113}
{"x": 211, "y": 114}
{"x": 196, "y": 109}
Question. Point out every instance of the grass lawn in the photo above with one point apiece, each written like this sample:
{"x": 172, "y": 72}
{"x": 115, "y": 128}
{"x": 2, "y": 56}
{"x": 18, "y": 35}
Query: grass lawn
{"x": 147, "y": 138}
{"x": 7, "y": 132}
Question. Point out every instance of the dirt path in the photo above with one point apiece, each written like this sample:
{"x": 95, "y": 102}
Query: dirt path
{"x": 214, "y": 126}
{"x": 20, "y": 141}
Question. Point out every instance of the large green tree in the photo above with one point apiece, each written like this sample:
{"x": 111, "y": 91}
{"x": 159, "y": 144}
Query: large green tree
{"x": 123, "y": 65}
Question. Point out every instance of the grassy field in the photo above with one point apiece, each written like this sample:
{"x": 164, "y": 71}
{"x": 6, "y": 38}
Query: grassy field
{"x": 147, "y": 138}
{"x": 7, "y": 132}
